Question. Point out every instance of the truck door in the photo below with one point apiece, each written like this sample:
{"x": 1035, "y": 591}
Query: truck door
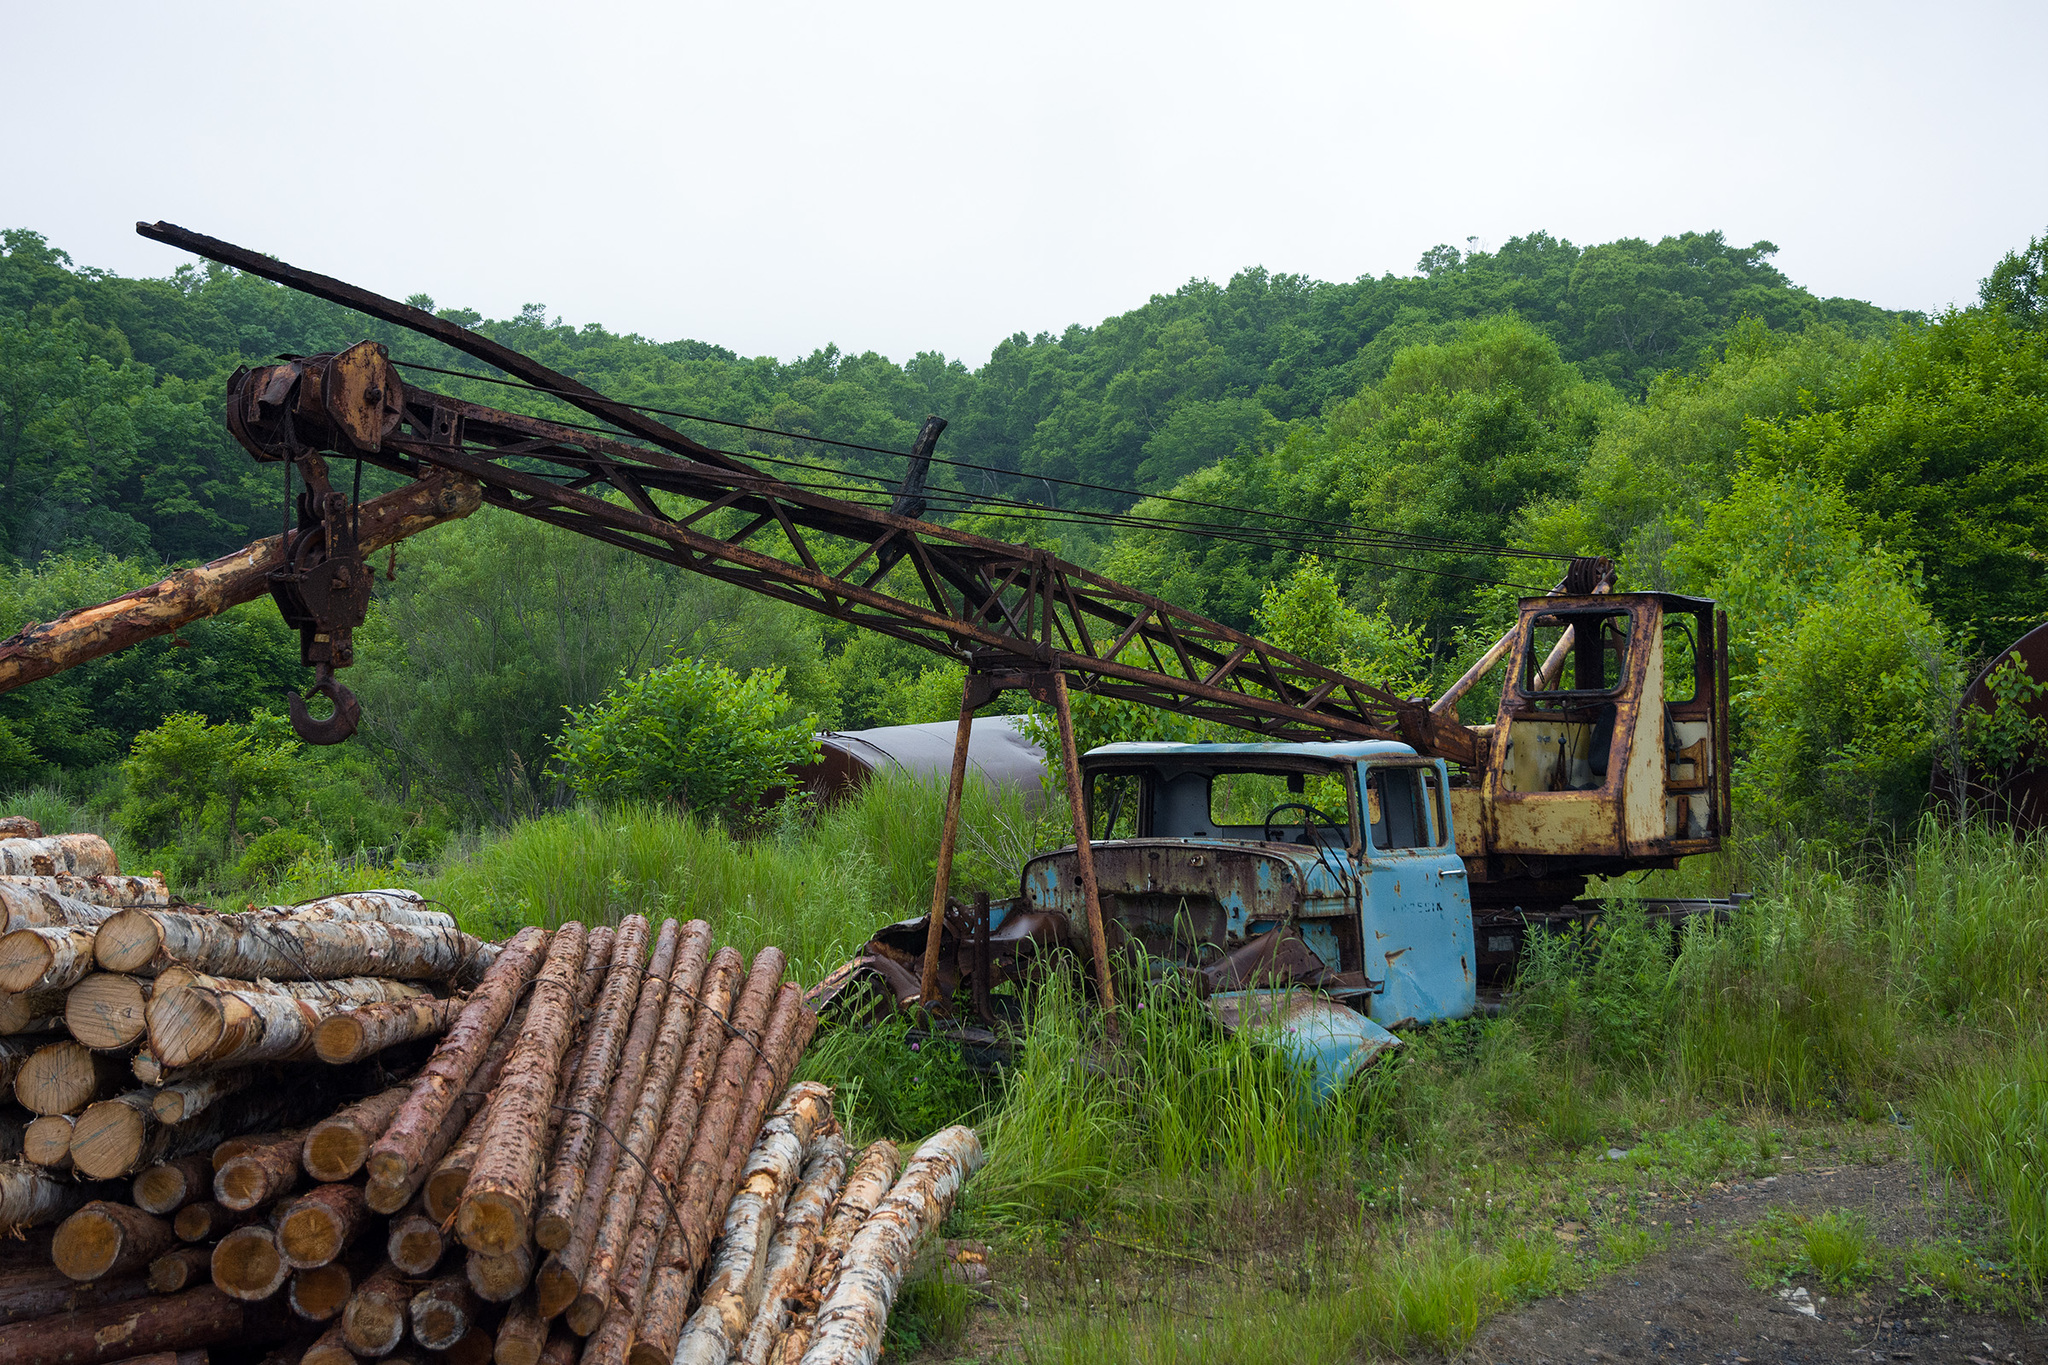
{"x": 1417, "y": 918}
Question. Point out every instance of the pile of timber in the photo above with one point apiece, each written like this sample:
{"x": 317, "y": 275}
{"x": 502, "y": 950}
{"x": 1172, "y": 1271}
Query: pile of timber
{"x": 347, "y": 1131}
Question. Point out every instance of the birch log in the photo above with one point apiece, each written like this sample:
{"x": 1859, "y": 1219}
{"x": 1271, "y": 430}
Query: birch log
{"x": 45, "y": 648}
{"x": 109, "y": 892}
{"x": 46, "y": 1141}
{"x": 30, "y": 1196}
{"x": 401, "y": 1151}
{"x": 183, "y": 1100}
{"x": 46, "y": 957}
{"x": 64, "y": 1077}
{"x": 379, "y": 907}
{"x": 622, "y": 1200}
{"x": 496, "y": 1214}
{"x": 108, "y": 1010}
{"x": 874, "y": 1175}
{"x": 256, "y": 946}
{"x": 568, "y": 1163}
{"x": 795, "y": 1245}
{"x": 212, "y": 1022}
{"x": 25, "y": 902}
{"x": 350, "y": 1037}
{"x": 852, "y": 1317}
{"x": 86, "y": 855}
{"x": 731, "y": 1293}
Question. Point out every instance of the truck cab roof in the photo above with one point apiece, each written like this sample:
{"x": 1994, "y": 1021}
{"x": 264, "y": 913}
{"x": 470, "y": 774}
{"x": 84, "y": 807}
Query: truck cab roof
{"x": 1324, "y": 751}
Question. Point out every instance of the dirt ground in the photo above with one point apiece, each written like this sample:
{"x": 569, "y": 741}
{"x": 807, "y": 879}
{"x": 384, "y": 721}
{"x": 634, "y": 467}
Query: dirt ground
{"x": 1696, "y": 1302}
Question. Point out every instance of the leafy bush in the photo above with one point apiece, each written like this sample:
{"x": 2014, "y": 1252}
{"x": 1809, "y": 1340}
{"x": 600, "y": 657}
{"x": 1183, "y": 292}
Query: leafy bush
{"x": 269, "y": 855}
{"x": 1601, "y": 992}
{"x": 190, "y": 784}
{"x": 690, "y": 732}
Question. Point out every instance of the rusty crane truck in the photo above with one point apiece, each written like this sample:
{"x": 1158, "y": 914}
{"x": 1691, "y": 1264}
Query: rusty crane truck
{"x": 1370, "y": 848}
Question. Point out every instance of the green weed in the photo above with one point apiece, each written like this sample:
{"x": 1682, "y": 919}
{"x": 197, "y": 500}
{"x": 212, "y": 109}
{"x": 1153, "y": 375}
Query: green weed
{"x": 1989, "y": 1119}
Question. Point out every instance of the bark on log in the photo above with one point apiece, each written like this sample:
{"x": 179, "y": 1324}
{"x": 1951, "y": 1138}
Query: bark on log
{"x": 108, "y": 892}
{"x": 789, "y": 1033}
{"x": 181, "y": 1268}
{"x": 43, "y": 1291}
{"x": 214, "y": 1022}
{"x": 401, "y": 1152}
{"x": 794, "y": 1247}
{"x": 852, "y": 1318}
{"x": 253, "y": 946}
{"x": 37, "y": 1011}
{"x": 476, "y": 1344}
{"x": 441, "y": 1196}
{"x": 106, "y": 1238}
{"x": 395, "y": 906}
{"x": 30, "y": 1196}
{"x": 443, "y": 1312}
{"x": 523, "y": 1335}
{"x": 350, "y": 1037}
{"x": 45, "y": 957}
{"x": 188, "y": 595}
{"x": 569, "y": 1160}
{"x": 165, "y": 1188}
{"x": 390, "y": 1196}
{"x": 691, "y": 1163}
{"x": 186, "y": 1099}
{"x": 337, "y": 1146}
{"x": 319, "y": 1294}
{"x": 14, "y": 1054}
{"x": 500, "y": 1279}
{"x": 679, "y": 957}
{"x": 107, "y": 1010}
{"x": 259, "y": 1174}
{"x": 46, "y": 1141}
{"x": 19, "y": 827}
{"x": 496, "y": 1214}
{"x": 204, "y": 1220}
{"x": 562, "y": 1349}
{"x": 85, "y": 855}
{"x": 64, "y": 1077}
{"x": 321, "y": 1224}
{"x": 643, "y": 1130}
{"x": 415, "y": 1243}
{"x": 120, "y": 1332}
{"x": 731, "y": 1293}
{"x": 247, "y": 1264}
{"x": 30, "y": 902}
{"x": 374, "y": 1322}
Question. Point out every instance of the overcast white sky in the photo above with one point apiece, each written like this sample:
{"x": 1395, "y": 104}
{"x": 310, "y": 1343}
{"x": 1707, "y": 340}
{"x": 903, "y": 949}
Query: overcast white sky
{"x": 905, "y": 177}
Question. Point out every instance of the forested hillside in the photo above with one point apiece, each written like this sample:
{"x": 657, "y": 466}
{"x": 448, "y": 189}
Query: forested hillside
{"x": 1861, "y": 488}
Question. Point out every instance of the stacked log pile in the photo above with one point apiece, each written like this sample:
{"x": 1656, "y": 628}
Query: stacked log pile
{"x": 347, "y": 1131}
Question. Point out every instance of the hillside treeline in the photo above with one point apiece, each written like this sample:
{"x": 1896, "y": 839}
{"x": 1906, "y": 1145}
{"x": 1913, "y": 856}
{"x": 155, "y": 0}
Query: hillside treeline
{"x": 1860, "y": 488}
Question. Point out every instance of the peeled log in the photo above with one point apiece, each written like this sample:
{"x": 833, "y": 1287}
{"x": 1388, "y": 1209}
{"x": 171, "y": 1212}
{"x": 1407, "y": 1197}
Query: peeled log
{"x": 496, "y": 1214}
{"x": 337, "y": 1146}
{"x": 795, "y": 1244}
{"x": 260, "y": 1173}
{"x": 320, "y": 1224}
{"x": 523, "y": 1335}
{"x": 207, "y": 1022}
{"x": 350, "y": 1037}
{"x": 211, "y": 588}
{"x": 43, "y": 1291}
{"x": 731, "y": 1293}
{"x": 37, "y": 1011}
{"x": 45, "y": 957}
{"x": 636, "y": 1147}
{"x": 107, "y": 893}
{"x": 568, "y": 1163}
{"x": 443, "y": 1312}
{"x": 401, "y": 1152}
{"x": 255, "y": 946}
{"x": 415, "y": 1243}
{"x": 63, "y": 1078}
{"x": 47, "y": 1141}
{"x": 30, "y": 1197}
{"x": 374, "y": 1322}
{"x": 119, "y": 1332}
{"x": 181, "y": 1101}
{"x": 248, "y": 1265}
{"x": 166, "y": 1188}
{"x": 86, "y": 855}
{"x": 852, "y": 1318}
{"x": 105, "y": 1238}
{"x": 181, "y": 1268}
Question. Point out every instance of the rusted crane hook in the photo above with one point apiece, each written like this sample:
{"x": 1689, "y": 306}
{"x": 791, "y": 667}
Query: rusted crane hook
{"x": 348, "y": 712}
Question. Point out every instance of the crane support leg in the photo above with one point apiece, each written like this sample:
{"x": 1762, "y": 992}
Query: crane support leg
{"x": 1084, "y": 852}
{"x": 928, "y": 988}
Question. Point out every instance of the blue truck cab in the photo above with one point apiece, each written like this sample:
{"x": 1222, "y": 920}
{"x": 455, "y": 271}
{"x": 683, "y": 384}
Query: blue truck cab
{"x": 1230, "y": 860}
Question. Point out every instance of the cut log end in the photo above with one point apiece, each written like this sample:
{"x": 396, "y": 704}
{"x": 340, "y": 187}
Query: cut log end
{"x": 335, "y": 1151}
{"x": 492, "y": 1223}
{"x": 107, "y": 1010}
{"x": 104, "y": 1238}
{"x": 320, "y": 1293}
{"x": 180, "y": 1269}
{"x": 415, "y": 1245}
{"x": 247, "y": 1264}
{"x": 165, "y": 1189}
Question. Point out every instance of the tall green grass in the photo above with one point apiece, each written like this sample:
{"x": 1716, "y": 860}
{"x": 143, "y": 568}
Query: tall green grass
{"x": 1989, "y": 1119}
